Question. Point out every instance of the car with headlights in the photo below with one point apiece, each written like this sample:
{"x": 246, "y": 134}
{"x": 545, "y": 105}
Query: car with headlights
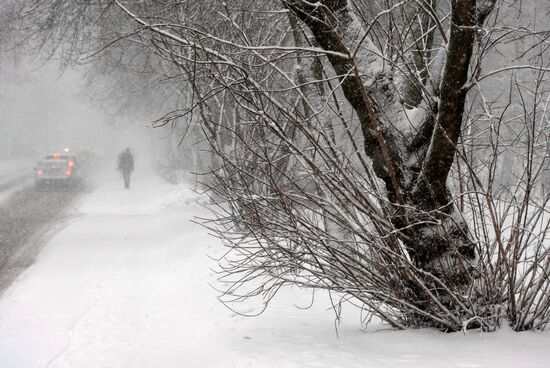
{"x": 57, "y": 170}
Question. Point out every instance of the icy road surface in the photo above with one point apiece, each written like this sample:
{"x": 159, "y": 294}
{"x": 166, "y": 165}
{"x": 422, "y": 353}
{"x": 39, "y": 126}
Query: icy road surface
{"x": 125, "y": 285}
{"x": 26, "y": 217}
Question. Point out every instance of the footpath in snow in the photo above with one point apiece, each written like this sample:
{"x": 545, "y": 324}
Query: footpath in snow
{"x": 126, "y": 284}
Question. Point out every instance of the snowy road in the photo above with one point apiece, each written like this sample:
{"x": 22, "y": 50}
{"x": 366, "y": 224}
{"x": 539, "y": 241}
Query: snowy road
{"x": 14, "y": 175}
{"x": 25, "y": 218}
{"x": 10, "y": 182}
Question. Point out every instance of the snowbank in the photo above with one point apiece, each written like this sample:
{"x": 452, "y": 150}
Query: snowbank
{"x": 16, "y": 167}
{"x": 14, "y": 175}
{"x": 126, "y": 284}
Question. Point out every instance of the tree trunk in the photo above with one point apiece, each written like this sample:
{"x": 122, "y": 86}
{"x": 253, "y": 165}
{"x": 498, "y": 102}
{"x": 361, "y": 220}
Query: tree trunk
{"x": 434, "y": 233}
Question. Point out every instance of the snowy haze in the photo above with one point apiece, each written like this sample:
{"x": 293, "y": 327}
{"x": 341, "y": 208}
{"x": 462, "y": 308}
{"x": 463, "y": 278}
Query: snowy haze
{"x": 44, "y": 109}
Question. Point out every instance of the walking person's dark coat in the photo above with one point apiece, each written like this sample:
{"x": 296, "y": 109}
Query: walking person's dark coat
{"x": 126, "y": 166}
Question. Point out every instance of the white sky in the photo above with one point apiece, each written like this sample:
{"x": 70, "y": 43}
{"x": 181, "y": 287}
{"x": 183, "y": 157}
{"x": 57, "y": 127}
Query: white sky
{"x": 43, "y": 110}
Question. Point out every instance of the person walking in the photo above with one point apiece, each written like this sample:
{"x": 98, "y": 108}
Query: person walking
{"x": 126, "y": 166}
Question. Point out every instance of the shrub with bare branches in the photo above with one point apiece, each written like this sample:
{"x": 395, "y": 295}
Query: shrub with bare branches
{"x": 358, "y": 147}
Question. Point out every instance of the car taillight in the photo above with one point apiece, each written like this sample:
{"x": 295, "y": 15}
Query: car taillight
{"x": 39, "y": 172}
{"x": 68, "y": 172}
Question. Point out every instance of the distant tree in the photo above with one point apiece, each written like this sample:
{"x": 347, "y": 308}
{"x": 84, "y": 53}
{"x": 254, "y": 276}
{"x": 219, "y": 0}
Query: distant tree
{"x": 356, "y": 145}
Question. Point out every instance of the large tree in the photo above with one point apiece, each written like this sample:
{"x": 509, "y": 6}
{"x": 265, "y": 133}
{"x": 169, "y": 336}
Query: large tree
{"x": 340, "y": 134}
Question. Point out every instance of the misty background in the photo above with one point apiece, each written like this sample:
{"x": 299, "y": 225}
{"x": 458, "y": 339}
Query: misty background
{"x": 44, "y": 108}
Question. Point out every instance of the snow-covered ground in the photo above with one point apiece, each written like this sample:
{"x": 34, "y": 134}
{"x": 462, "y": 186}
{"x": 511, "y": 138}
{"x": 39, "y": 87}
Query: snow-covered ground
{"x": 126, "y": 284}
{"x": 15, "y": 167}
{"x": 14, "y": 175}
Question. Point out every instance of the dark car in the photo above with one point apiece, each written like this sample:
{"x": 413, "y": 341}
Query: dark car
{"x": 57, "y": 170}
